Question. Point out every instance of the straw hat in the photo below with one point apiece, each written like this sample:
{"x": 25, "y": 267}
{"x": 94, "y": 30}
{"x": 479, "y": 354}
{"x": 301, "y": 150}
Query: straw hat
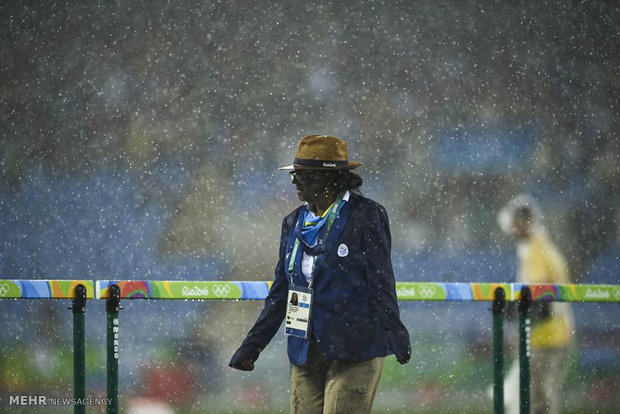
{"x": 322, "y": 152}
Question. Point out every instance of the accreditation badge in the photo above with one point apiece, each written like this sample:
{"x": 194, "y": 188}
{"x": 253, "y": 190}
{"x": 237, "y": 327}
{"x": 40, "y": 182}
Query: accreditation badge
{"x": 298, "y": 310}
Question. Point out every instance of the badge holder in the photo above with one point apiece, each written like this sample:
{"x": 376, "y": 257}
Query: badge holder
{"x": 298, "y": 311}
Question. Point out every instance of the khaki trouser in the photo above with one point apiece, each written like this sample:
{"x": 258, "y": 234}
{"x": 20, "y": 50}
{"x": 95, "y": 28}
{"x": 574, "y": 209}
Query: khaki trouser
{"x": 334, "y": 387}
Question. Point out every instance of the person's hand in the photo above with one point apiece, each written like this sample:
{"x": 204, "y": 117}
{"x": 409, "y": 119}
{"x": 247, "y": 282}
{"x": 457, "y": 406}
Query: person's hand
{"x": 245, "y": 365}
{"x": 403, "y": 359}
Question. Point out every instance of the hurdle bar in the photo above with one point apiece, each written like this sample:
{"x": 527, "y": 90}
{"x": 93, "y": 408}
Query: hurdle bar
{"x": 245, "y": 290}
{"x": 406, "y": 291}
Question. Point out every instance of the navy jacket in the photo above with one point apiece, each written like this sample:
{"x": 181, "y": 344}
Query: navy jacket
{"x": 354, "y": 312}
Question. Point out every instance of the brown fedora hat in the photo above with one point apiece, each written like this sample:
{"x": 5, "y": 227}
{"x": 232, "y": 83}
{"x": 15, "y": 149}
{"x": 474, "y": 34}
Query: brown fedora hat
{"x": 322, "y": 152}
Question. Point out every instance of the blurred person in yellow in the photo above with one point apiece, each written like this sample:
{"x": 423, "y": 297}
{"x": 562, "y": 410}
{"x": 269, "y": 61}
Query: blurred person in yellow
{"x": 539, "y": 261}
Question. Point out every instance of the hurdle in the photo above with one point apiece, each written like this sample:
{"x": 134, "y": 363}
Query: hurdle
{"x": 113, "y": 291}
{"x": 78, "y": 291}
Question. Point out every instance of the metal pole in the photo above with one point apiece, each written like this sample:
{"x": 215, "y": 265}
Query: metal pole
{"x": 79, "y": 355}
{"x": 499, "y": 302}
{"x": 524, "y": 350}
{"x": 112, "y": 309}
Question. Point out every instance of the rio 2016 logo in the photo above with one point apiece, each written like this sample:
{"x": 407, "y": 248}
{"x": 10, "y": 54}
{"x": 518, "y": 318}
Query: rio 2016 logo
{"x": 194, "y": 291}
{"x": 406, "y": 291}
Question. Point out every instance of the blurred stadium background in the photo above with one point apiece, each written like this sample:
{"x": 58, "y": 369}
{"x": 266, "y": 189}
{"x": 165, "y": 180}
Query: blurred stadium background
{"x": 142, "y": 142}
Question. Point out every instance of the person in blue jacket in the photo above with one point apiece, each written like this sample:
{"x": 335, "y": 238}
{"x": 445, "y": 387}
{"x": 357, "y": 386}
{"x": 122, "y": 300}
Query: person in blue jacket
{"x": 335, "y": 258}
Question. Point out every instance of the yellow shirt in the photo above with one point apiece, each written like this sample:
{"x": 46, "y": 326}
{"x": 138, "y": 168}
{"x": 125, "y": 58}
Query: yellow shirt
{"x": 541, "y": 262}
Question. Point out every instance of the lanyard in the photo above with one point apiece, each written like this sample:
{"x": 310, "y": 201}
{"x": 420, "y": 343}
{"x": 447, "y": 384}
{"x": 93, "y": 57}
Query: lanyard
{"x": 330, "y": 221}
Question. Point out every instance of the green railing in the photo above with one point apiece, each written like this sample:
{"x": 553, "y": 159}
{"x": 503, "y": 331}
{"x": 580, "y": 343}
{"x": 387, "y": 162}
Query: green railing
{"x": 113, "y": 291}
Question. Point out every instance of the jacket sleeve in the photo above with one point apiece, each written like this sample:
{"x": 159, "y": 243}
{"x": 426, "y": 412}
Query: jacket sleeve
{"x": 381, "y": 281}
{"x": 273, "y": 312}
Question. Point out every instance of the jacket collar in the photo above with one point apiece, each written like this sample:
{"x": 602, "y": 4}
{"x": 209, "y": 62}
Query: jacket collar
{"x": 330, "y": 244}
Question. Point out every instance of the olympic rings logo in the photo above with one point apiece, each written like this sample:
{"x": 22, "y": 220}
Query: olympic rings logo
{"x": 221, "y": 290}
{"x": 4, "y": 289}
{"x": 427, "y": 291}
